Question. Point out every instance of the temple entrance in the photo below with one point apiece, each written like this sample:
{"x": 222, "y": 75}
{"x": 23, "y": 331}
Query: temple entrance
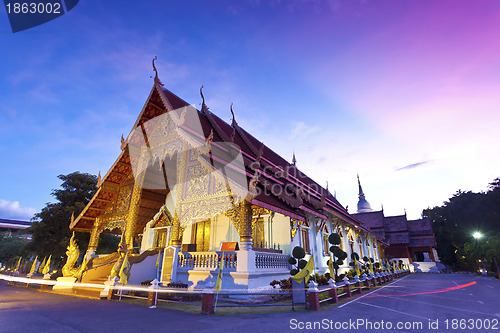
{"x": 258, "y": 234}
{"x": 201, "y": 235}
{"x": 162, "y": 236}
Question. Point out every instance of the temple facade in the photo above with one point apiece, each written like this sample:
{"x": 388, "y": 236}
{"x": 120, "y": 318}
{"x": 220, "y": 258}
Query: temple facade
{"x": 412, "y": 241}
{"x": 188, "y": 189}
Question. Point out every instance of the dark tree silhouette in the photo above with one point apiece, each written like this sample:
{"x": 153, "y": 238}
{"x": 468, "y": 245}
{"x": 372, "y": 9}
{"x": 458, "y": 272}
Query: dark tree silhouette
{"x": 458, "y": 218}
{"x": 50, "y": 227}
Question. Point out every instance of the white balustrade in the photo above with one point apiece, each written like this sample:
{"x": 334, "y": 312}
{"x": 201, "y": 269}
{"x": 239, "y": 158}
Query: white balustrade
{"x": 271, "y": 260}
{"x": 207, "y": 259}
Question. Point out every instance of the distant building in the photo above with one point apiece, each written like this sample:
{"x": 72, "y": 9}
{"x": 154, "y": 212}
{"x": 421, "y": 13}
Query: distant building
{"x": 12, "y": 226}
{"x": 411, "y": 239}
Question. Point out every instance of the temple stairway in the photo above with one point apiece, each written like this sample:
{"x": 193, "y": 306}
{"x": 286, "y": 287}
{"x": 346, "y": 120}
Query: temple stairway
{"x": 99, "y": 269}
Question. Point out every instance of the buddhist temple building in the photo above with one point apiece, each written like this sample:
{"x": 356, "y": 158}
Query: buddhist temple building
{"x": 190, "y": 188}
{"x": 412, "y": 241}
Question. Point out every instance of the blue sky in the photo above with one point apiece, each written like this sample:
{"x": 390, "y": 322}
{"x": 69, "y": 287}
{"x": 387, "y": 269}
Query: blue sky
{"x": 405, "y": 93}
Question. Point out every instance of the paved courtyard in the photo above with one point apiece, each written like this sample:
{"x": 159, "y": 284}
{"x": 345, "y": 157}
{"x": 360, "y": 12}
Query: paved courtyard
{"x": 415, "y": 303}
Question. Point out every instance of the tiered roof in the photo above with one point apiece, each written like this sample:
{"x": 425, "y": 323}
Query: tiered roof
{"x": 398, "y": 229}
{"x": 274, "y": 170}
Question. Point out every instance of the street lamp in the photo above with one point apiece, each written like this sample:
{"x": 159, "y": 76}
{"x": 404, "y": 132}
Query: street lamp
{"x": 477, "y": 235}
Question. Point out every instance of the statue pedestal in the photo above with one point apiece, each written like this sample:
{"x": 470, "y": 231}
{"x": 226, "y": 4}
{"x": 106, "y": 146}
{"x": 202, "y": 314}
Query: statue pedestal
{"x": 64, "y": 283}
{"x": 46, "y": 286}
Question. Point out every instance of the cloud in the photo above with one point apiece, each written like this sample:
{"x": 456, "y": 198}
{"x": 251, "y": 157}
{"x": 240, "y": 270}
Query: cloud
{"x": 301, "y": 130}
{"x": 412, "y": 166}
{"x": 13, "y": 210}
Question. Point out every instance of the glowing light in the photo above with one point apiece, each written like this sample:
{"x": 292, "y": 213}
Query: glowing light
{"x": 477, "y": 235}
{"x": 121, "y": 287}
{"x": 430, "y": 292}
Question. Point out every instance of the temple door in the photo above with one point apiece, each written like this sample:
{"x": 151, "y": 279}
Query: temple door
{"x": 201, "y": 236}
{"x": 258, "y": 234}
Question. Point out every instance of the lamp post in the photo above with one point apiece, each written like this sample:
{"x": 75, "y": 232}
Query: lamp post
{"x": 477, "y": 235}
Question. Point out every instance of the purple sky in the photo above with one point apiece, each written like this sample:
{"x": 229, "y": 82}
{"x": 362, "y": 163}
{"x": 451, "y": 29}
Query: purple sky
{"x": 405, "y": 93}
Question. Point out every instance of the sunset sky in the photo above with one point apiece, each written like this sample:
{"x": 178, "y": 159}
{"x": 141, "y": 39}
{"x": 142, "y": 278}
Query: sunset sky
{"x": 405, "y": 93}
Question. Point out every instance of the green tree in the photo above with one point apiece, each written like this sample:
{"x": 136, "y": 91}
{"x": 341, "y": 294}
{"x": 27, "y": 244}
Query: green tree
{"x": 458, "y": 218}
{"x": 11, "y": 248}
{"x": 50, "y": 229}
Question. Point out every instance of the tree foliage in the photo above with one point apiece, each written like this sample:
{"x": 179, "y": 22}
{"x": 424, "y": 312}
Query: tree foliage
{"x": 11, "y": 248}
{"x": 50, "y": 227}
{"x": 296, "y": 259}
{"x": 338, "y": 255}
{"x": 458, "y": 218}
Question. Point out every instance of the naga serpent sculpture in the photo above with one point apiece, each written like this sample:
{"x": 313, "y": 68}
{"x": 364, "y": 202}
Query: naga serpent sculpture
{"x": 73, "y": 253}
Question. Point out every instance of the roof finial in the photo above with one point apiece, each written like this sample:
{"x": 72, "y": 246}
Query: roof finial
{"x": 122, "y": 140}
{"x": 327, "y": 185}
{"x": 156, "y": 72}
{"x": 154, "y": 68}
{"x": 99, "y": 177}
{"x": 203, "y": 105}
{"x": 233, "y": 122}
{"x": 335, "y": 194}
{"x": 294, "y": 160}
{"x": 72, "y": 217}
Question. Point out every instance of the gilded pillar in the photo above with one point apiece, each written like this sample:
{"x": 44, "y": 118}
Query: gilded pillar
{"x": 133, "y": 212}
{"x": 245, "y": 226}
{"x": 176, "y": 238}
{"x": 246, "y": 256}
{"x": 94, "y": 238}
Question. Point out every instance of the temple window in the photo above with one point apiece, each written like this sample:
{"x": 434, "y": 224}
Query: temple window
{"x": 351, "y": 244}
{"x": 339, "y": 232}
{"x": 305, "y": 239}
{"x": 326, "y": 244}
{"x": 360, "y": 244}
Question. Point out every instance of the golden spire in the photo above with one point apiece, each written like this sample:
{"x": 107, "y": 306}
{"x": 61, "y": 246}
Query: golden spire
{"x": 99, "y": 177}
{"x": 72, "y": 218}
